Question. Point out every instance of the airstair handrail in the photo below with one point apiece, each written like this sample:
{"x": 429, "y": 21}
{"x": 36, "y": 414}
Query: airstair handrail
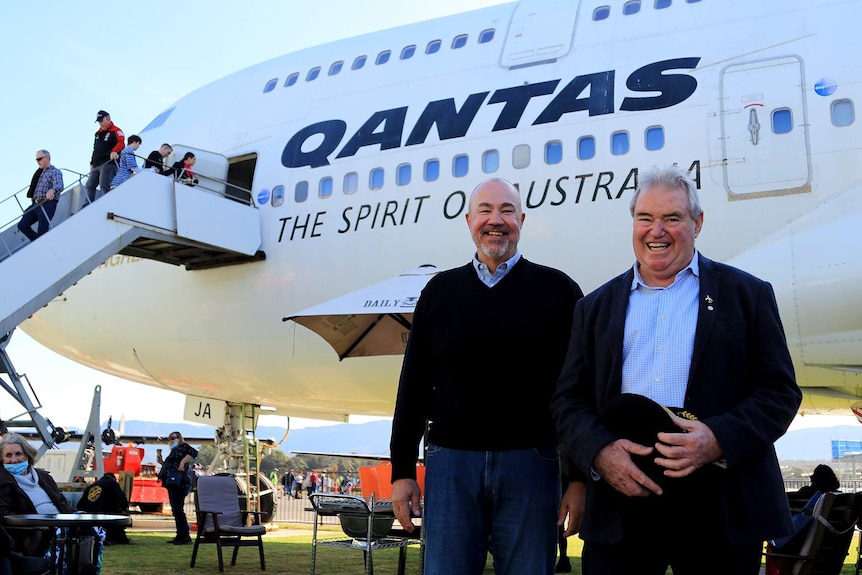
{"x": 79, "y": 177}
{"x": 23, "y": 208}
{"x": 225, "y": 183}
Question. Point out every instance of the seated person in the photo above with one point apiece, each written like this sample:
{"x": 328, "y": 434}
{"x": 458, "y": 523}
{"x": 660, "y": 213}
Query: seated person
{"x": 182, "y": 170}
{"x": 25, "y": 489}
{"x": 12, "y": 563}
{"x": 106, "y": 496}
{"x": 823, "y": 480}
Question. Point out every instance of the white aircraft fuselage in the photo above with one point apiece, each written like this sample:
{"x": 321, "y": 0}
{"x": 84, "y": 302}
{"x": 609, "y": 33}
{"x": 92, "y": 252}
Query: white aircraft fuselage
{"x": 751, "y": 96}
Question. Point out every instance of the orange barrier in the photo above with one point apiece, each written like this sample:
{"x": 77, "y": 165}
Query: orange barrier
{"x": 368, "y": 482}
{"x": 420, "y": 478}
{"x": 378, "y": 480}
{"x": 384, "y": 480}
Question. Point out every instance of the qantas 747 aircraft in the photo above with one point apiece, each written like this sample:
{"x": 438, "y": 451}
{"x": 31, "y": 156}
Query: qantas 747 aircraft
{"x": 357, "y": 157}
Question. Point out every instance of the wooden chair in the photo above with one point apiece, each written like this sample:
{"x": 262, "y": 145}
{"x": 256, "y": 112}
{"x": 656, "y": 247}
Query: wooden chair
{"x": 827, "y": 537}
{"x": 221, "y": 521}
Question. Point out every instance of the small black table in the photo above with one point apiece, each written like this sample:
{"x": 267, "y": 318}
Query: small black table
{"x": 71, "y": 521}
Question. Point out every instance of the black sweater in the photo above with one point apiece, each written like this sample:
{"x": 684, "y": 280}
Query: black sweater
{"x": 482, "y": 363}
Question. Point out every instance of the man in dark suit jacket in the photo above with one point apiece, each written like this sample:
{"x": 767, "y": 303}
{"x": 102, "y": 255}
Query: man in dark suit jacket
{"x": 691, "y": 333}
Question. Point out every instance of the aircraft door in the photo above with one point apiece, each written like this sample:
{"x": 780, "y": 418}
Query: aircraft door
{"x": 541, "y": 31}
{"x": 764, "y": 128}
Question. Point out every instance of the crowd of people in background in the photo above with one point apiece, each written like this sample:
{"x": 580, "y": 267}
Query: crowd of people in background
{"x": 294, "y": 483}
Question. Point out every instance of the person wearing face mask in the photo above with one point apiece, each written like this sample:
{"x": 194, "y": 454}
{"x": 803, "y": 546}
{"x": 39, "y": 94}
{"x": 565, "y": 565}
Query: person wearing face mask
{"x": 180, "y": 457}
{"x": 25, "y": 489}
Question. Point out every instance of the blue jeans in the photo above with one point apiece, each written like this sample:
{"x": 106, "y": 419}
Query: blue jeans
{"x": 177, "y": 498}
{"x": 37, "y": 212}
{"x": 503, "y": 501}
{"x": 101, "y": 177}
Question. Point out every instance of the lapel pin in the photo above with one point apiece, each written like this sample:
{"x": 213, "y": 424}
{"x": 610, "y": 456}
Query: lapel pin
{"x": 708, "y": 300}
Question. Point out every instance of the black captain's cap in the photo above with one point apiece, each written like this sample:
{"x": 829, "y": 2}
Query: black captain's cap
{"x": 101, "y": 115}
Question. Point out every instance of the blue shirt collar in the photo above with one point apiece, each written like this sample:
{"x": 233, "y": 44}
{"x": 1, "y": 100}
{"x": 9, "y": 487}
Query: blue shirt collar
{"x": 502, "y": 269}
{"x": 693, "y": 266}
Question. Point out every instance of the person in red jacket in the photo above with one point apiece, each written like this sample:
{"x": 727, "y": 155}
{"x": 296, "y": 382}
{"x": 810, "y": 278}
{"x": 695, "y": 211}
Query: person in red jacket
{"x": 108, "y": 144}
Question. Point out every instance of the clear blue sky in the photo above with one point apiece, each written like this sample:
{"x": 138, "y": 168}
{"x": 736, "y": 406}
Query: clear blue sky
{"x": 64, "y": 61}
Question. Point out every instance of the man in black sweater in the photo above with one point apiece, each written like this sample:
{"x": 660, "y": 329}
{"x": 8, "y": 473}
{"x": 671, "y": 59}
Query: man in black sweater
{"x": 486, "y": 348}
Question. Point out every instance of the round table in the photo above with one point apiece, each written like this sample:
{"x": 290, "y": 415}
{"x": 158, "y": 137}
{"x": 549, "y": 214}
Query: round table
{"x": 71, "y": 521}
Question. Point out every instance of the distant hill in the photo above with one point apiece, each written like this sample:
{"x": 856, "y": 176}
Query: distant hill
{"x": 815, "y": 443}
{"x": 370, "y": 438}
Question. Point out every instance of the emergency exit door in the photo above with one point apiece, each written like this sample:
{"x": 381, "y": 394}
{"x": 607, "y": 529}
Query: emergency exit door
{"x": 540, "y": 32}
{"x": 765, "y": 128}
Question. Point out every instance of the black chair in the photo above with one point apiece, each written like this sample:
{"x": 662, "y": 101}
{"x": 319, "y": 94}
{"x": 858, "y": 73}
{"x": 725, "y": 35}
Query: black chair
{"x": 221, "y": 521}
{"x": 12, "y": 563}
{"x": 826, "y": 539}
{"x": 368, "y": 526}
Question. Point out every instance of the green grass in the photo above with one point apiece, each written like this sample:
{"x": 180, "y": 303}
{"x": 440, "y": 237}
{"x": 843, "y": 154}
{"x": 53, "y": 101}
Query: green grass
{"x": 148, "y": 555}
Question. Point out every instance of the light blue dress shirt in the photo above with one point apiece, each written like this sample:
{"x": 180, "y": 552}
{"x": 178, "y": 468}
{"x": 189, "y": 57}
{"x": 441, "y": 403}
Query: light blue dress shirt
{"x": 491, "y": 279}
{"x": 659, "y": 336}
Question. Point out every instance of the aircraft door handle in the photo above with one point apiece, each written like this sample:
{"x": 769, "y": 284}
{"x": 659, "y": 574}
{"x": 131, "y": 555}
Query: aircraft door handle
{"x": 753, "y": 126}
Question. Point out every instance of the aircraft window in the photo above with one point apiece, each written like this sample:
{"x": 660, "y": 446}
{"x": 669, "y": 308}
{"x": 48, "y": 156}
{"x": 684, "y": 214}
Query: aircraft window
{"x": 277, "y": 196}
{"x": 359, "y": 62}
{"x": 782, "y": 121}
{"x": 336, "y": 67}
{"x": 554, "y": 152}
{"x": 486, "y": 36}
{"x": 459, "y": 41}
{"x": 692, "y": 1}
{"x": 375, "y": 179}
{"x": 300, "y": 192}
{"x": 460, "y": 165}
{"x": 408, "y": 52}
{"x": 351, "y": 182}
{"x": 631, "y": 7}
{"x": 586, "y": 148}
{"x": 654, "y": 137}
{"x": 403, "y": 174}
{"x": 383, "y": 57}
{"x": 291, "y": 80}
{"x": 619, "y": 143}
{"x": 325, "y": 189}
{"x": 490, "y": 161}
{"x": 433, "y": 47}
{"x": 842, "y": 113}
{"x": 270, "y": 86}
{"x": 432, "y": 170}
{"x": 601, "y": 13}
{"x": 521, "y": 156}
{"x": 659, "y": 4}
{"x": 313, "y": 74}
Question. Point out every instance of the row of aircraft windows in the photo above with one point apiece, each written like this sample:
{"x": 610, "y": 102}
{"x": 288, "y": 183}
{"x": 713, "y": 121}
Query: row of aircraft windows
{"x": 633, "y": 7}
{"x": 383, "y": 57}
{"x": 842, "y": 114}
{"x": 521, "y": 158}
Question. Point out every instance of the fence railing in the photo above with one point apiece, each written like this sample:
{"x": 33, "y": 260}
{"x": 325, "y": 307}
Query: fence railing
{"x": 287, "y": 510}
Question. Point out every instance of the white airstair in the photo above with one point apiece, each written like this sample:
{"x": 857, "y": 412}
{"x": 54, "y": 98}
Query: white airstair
{"x": 149, "y": 216}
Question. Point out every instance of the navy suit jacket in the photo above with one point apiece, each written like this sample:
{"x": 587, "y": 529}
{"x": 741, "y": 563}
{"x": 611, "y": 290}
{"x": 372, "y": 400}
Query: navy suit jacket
{"x": 741, "y": 384}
